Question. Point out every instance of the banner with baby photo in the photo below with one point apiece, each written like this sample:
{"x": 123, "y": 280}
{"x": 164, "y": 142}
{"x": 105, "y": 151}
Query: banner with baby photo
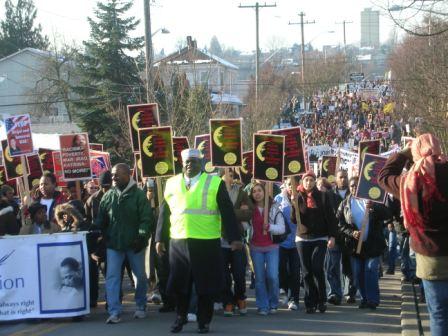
{"x": 44, "y": 276}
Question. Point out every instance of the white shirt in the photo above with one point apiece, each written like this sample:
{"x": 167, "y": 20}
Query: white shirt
{"x": 190, "y": 182}
{"x": 47, "y": 202}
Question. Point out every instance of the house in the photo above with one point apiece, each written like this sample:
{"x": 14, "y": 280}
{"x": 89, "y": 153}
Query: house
{"x": 24, "y": 90}
{"x": 203, "y": 68}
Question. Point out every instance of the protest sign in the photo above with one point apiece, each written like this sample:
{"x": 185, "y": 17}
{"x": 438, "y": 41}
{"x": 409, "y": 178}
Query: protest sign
{"x": 34, "y": 276}
{"x": 268, "y": 157}
{"x": 96, "y": 146}
{"x": 57, "y": 169}
{"x": 46, "y": 159}
{"x": 316, "y": 152}
{"x": 179, "y": 144}
{"x": 137, "y": 167}
{"x": 328, "y": 168}
{"x": 202, "y": 142}
{"x": 368, "y": 187}
{"x": 405, "y": 140}
{"x": 156, "y": 150}
{"x": 18, "y": 133}
{"x": 34, "y": 169}
{"x": 3, "y": 180}
{"x": 104, "y": 155}
{"x": 75, "y": 156}
{"x": 141, "y": 116}
{"x": 13, "y": 165}
{"x": 226, "y": 145}
{"x": 98, "y": 165}
{"x": 246, "y": 169}
{"x": 294, "y": 154}
{"x": 368, "y": 146}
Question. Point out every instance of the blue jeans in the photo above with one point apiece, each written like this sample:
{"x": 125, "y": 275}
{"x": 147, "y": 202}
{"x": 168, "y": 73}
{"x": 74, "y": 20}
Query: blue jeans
{"x": 407, "y": 264}
{"x": 366, "y": 277}
{"x": 333, "y": 267}
{"x": 391, "y": 258}
{"x": 436, "y": 292}
{"x": 113, "y": 279}
{"x": 266, "y": 278}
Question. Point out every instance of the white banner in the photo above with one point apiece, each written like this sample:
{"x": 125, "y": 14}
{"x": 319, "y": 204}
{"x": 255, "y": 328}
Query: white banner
{"x": 316, "y": 152}
{"x": 44, "y": 276}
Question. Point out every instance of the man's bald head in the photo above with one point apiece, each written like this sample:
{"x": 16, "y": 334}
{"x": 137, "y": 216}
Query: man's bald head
{"x": 121, "y": 174}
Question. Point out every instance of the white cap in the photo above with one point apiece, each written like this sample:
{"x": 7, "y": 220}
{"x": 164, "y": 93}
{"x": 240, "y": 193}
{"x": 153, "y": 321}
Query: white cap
{"x": 190, "y": 153}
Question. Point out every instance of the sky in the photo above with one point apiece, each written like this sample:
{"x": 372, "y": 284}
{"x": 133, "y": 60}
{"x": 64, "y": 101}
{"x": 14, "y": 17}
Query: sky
{"x": 233, "y": 26}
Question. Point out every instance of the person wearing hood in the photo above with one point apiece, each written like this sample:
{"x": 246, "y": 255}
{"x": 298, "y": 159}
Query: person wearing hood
{"x": 126, "y": 218}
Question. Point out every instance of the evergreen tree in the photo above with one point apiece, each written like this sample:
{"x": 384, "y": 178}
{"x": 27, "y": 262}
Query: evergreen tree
{"x": 18, "y": 30}
{"x": 109, "y": 77}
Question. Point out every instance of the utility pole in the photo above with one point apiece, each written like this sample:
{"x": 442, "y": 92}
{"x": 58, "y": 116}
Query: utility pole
{"x": 302, "y": 50}
{"x": 343, "y": 23}
{"x": 257, "y": 6}
{"x": 149, "y": 57}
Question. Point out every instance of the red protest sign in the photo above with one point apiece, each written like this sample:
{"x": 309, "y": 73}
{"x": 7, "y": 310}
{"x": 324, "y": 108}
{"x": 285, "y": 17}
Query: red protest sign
{"x": 141, "y": 116}
{"x": 179, "y": 144}
{"x": 98, "y": 165}
{"x": 57, "y": 168}
{"x": 75, "y": 156}
{"x": 18, "y": 133}
{"x": 246, "y": 169}
{"x": 96, "y": 146}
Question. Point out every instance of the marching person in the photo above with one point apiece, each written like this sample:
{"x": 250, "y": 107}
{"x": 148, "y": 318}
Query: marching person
{"x": 365, "y": 266}
{"x": 423, "y": 191}
{"x": 47, "y": 194}
{"x": 196, "y": 209}
{"x": 315, "y": 232}
{"x": 126, "y": 218}
{"x": 264, "y": 252}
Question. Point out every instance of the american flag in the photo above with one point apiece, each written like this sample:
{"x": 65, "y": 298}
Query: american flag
{"x": 17, "y": 121}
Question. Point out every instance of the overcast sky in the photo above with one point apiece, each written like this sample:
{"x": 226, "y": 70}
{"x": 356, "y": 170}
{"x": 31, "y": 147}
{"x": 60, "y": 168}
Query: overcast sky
{"x": 233, "y": 26}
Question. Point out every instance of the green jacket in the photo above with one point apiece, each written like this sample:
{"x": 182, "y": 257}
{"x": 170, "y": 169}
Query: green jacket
{"x": 123, "y": 216}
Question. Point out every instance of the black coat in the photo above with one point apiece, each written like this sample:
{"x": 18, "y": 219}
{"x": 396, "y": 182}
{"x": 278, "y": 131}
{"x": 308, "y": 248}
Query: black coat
{"x": 198, "y": 260}
{"x": 375, "y": 244}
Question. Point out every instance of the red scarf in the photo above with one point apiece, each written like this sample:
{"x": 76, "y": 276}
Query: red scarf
{"x": 420, "y": 179}
{"x": 310, "y": 201}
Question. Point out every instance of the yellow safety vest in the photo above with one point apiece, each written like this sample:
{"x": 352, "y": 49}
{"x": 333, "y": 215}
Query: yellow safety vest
{"x": 194, "y": 212}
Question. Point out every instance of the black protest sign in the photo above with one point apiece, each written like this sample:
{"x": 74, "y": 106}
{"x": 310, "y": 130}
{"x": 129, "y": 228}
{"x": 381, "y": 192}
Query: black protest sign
{"x": 368, "y": 146}
{"x": 294, "y": 153}
{"x": 156, "y": 150}
{"x": 328, "y": 168}
{"x": 368, "y": 187}
{"x": 179, "y": 144}
{"x": 268, "y": 157}
{"x": 141, "y": 116}
{"x": 202, "y": 142}
{"x": 46, "y": 159}
{"x": 246, "y": 169}
{"x": 226, "y": 145}
{"x": 13, "y": 165}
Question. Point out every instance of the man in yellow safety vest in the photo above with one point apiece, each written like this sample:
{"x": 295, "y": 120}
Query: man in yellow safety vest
{"x": 195, "y": 211}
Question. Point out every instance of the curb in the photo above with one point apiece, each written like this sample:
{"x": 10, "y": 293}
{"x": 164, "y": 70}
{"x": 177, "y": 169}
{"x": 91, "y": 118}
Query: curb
{"x": 411, "y": 324}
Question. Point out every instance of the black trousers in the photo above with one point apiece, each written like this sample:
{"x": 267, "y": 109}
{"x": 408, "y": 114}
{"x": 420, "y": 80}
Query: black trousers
{"x": 93, "y": 280}
{"x": 205, "y": 306}
{"x": 348, "y": 274}
{"x": 234, "y": 267}
{"x": 289, "y": 272}
{"x": 163, "y": 272}
{"x": 312, "y": 259}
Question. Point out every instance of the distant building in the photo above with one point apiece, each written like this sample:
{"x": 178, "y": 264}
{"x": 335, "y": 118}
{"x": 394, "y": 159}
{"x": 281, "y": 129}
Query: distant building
{"x": 203, "y": 68}
{"x": 20, "y": 74}
{"x": 370, "y": 28}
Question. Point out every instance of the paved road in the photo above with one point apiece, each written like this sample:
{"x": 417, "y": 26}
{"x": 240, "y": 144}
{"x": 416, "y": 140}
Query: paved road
{"x": 338, "y": 320}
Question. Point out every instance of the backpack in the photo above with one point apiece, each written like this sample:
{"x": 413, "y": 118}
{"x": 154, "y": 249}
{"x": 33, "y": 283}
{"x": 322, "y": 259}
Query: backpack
{"x": 280, "y": 238}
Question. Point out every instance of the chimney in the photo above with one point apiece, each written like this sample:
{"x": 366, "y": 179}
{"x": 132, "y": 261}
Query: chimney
{"x": 191, "y": 44}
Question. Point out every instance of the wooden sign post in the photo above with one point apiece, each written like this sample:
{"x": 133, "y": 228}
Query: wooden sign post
{"x": 365, "y": 221}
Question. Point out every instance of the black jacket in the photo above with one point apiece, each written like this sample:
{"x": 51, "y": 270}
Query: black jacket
{"x": 375, "y": 244}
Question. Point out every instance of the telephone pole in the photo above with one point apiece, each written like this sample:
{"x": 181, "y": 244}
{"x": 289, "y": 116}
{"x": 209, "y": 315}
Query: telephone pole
{"x": 149, "y": 57}
{"x": 257, "y": 6}
{"x": 343, "y": 23}
{"x": 302, "y": 49}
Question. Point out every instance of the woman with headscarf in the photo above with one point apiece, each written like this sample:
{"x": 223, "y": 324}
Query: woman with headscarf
{"x": 423, "y": 191}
